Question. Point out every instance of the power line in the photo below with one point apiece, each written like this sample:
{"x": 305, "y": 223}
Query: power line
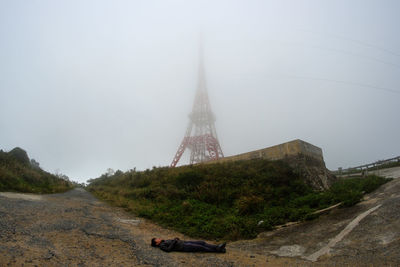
{"x": 341, "y": 37}
{"x": 340, "y": 51}
{"x": 346, "y": 82}
{"x": 385, "y": 89}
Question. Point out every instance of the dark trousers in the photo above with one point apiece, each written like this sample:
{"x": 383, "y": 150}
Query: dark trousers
{"x": 198, "y": 246}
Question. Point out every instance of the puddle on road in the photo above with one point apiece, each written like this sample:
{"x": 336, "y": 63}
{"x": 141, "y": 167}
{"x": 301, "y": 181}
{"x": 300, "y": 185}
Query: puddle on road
{"x": 21, "y": 196}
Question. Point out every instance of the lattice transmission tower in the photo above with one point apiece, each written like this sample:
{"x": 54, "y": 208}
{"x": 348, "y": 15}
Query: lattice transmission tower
{"x": 201, "y": 136}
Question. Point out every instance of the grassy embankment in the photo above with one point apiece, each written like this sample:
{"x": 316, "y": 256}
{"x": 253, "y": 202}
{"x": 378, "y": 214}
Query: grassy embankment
{"x": 20, "y": 174}
{"x": 225, "y": 200}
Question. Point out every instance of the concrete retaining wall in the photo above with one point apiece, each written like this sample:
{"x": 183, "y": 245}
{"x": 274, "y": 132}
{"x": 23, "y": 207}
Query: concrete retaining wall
{"x": 282, "y": 151}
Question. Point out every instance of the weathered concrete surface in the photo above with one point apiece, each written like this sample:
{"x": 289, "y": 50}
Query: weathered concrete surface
{"x": 314, "y": 171}
{"x": 388, "y": 173}
{"x": 281, "y": 151}
{"x": 304, "y": 157}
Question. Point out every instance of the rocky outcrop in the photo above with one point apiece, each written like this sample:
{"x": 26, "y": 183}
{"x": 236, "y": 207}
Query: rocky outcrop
{"x": 313, "y": 170}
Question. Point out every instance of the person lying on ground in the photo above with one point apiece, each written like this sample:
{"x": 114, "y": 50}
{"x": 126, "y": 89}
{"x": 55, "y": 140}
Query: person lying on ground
{"x": 186, "y": 246}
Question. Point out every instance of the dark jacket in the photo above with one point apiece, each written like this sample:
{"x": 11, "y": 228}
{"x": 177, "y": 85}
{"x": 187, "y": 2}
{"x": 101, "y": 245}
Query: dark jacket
{"x": 171, "y": 245}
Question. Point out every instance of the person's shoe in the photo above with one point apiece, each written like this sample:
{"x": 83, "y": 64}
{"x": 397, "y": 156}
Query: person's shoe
{"x": 221, "y": 247}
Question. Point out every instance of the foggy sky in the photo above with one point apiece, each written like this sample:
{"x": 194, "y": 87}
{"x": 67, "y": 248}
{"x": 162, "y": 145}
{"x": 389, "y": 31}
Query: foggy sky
{"x": 91, "y": 85}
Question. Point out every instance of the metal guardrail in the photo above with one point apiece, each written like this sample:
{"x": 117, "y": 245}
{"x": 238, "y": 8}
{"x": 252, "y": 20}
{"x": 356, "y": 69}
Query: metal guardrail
{"x": 367, "y": 166}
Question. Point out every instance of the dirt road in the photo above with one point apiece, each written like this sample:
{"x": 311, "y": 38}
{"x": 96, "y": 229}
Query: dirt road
{"x": 75, "y": 229}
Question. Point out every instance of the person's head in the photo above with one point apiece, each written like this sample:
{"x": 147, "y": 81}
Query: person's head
{"x": 155, "y": 242}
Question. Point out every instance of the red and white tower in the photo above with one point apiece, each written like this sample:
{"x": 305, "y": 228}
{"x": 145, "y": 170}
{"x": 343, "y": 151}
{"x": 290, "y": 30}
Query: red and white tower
{"x": 201, "y": 136}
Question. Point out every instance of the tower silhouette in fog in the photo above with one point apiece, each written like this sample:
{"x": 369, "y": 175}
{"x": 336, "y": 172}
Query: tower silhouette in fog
{"x": 201, "y": 136}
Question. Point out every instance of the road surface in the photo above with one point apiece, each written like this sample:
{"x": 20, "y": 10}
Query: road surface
{"x": 75, "y": 229}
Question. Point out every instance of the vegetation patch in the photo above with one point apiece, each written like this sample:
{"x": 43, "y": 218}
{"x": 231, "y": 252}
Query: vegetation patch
{"x": 20, "y": 174}
{"x": 231, "y": 200}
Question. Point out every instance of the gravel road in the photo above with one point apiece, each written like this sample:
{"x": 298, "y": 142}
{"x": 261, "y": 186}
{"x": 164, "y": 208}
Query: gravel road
{"x": 75, "y": 229}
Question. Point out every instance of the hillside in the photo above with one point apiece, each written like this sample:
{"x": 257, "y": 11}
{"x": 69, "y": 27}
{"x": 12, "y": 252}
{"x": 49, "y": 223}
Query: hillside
{"x": 21, "y": 174}
{"x": 229, "y": 200}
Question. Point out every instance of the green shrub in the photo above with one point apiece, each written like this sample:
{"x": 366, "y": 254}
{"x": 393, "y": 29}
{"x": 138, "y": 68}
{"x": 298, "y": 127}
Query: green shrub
{"x": 230, "y": 200}
{"x": 249, "y": 204}
{"x": 18, "y": 174}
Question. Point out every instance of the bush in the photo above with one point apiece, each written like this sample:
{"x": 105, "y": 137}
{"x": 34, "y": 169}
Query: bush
{"x": 249, "y": 204}
{"x": 18, "y": 174}
{"x": 225, "y": 200}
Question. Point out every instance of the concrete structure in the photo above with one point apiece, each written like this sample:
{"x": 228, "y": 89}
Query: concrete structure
{"x": 293, "y": 148}
{"x": 305, "y": 159}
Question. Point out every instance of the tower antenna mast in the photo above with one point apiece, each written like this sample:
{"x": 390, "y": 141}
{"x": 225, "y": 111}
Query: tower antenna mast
{"x": 201, "y": 136}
